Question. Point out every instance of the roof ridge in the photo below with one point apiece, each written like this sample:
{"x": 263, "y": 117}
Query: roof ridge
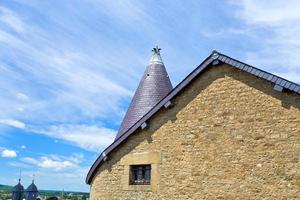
{"x": 277, "y": 80}
{"x": 213, "y": 59}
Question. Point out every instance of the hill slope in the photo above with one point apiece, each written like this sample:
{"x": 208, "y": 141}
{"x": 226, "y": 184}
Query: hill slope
{"x": 5, "y": 188}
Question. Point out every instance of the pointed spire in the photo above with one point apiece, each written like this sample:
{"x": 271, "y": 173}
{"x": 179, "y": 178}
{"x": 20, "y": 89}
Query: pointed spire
{"x": 32, "y": 187}
{"x": 18, "y": 187}
{"x": 18, "y": 191}
{"x": 31, "y": 191}
{"x": 153, "y": 87}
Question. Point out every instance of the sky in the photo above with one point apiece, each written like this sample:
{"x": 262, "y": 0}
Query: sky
{"x": 69, "y": 68}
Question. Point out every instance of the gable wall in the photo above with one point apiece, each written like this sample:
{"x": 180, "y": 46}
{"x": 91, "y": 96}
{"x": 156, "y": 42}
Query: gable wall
{"x": 229, "y": 135}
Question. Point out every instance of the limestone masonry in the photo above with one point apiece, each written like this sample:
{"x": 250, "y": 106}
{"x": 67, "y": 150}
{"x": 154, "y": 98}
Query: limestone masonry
{"x": 228, "y": 135}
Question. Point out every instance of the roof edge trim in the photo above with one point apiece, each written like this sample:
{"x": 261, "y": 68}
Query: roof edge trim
{"x": 214, "y": 56}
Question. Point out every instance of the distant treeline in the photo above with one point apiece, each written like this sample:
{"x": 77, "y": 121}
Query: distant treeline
{"x": 5, "y": 188}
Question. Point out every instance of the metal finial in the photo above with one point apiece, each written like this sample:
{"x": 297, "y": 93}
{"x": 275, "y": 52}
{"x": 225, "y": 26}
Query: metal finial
{"x": 214, "y": 54}
{"x": 156, "y": 50}
{"x": 33, "y": 176}
{"x": 20, "y": 175}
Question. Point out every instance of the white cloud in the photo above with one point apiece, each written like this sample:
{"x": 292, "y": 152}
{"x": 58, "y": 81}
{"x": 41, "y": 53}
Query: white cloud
{"x": 129, "y": 12}
{"x": 69, "y": 179}
{"x": 45, "y": 162}
{"x": 20, "y": 109}
{"x": 269, "y": 13}
{"x": 54, "y": 162}
{"x": 47, "y": 169}
{"x": 7, "y": 153}
{"x": 72, "y": 80}
{"x": 22, "y": 96}
{"x": 278, "y": 42}
{"x": 92, "y": 138}
{"x": 23, "y": 147}
{"x": 13, "y": 123}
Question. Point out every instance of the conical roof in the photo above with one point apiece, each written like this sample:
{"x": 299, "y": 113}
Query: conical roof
{"x": 18, "y": 187}
{"x": 32, "y": 188}
{"x": 153, "y": 87}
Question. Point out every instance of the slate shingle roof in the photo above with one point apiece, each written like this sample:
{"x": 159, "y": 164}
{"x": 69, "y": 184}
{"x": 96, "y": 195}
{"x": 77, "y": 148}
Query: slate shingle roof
{"x": 31, "y": 192}
{"x": 32, "y": 188}
{"x": 213, "y": 59}
{"x": 18, "y": 187}
{"x": 18, "y": 191}
{"x": 153, "y": 87}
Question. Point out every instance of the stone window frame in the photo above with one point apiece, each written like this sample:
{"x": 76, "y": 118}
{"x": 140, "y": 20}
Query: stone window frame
{"x": 145, "y": 158}
{"x": 140, "y": 171}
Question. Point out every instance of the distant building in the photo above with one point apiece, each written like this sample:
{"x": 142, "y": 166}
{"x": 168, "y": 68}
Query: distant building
{"x": 227, "y": 131}
{"x": 18, "y": 191}
{"x": 31, "y": 192}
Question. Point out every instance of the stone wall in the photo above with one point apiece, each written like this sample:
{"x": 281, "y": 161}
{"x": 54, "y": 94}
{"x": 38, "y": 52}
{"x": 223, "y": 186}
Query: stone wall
{"x": 229, "y": 136}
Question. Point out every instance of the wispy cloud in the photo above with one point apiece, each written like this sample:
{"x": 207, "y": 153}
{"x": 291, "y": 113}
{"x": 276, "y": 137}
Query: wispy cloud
{"x": 72, "y": 180}
{"x": 22, "y": 96}
{"x": 276, "y": 28}
{"x": 68, "y": 72}
{"x": 74, "y": 82}
{"x": 54, "y": 162}
{"x": 47, "y": 169}
{"x": 270, "y": 14}
{"x": 11, "y": 19}
{"x": 13, "y": 123}
{"x": 45, "y": 162}
{"x": 92, "y": 138}
{"x": 19, "y": 165}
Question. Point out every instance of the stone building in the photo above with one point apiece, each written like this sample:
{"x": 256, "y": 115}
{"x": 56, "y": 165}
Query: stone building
{"x": 227, "y": 131}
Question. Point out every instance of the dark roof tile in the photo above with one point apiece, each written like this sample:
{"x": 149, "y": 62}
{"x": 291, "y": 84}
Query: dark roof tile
{"x": 18, "y": 187}
{"x": 153, "y": 87}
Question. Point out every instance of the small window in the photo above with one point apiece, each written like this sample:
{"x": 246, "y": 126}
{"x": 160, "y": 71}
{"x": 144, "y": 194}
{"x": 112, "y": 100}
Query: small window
{"x": 140, "y": 174}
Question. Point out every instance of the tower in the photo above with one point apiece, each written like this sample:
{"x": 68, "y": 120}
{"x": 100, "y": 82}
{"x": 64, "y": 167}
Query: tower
{"x": 31, "y": 191}
{"x": 18, "y": 191}
{"x": 153, "y": 87}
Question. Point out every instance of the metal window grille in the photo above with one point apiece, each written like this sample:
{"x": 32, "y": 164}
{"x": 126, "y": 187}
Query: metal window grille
{"x": 140, "y": 174}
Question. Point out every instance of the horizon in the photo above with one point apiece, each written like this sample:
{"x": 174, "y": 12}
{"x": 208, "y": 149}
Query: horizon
{"x": 69, "y": 71}
{"x": 43, "y": 190}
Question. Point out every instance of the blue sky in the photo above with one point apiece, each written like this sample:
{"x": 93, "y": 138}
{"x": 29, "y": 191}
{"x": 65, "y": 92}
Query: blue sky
{"x": 69, "y": 69}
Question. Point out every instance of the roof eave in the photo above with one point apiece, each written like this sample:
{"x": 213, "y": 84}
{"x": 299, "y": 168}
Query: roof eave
{"x": 135, "y": 127}
{"x": 213, "y": 57}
